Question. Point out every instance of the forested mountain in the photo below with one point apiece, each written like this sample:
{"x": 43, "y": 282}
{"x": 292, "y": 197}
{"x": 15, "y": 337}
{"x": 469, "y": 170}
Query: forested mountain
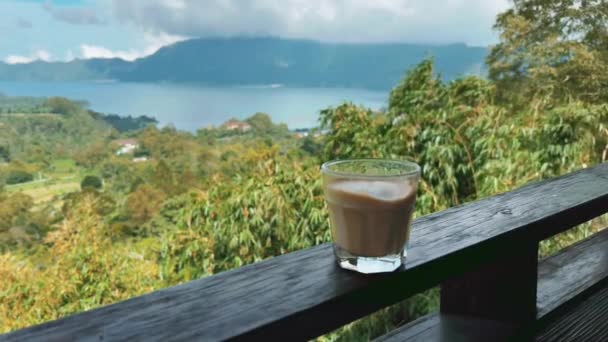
{"x": 242, "y": 61}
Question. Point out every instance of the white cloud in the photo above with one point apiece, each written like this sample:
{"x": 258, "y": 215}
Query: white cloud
{"x": 73, "y": 15}
{"x": 430, "y": 21}
{"x": 94, "y": 51}
{"x": 13, "y": 59}
{"x": 39, "y": 55}
{"x": 69, "y": 56}
{"x": 153, "y": 44}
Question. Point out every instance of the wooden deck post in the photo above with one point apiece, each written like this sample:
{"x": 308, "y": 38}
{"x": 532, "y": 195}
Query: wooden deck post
{"x": 502, "y": 290}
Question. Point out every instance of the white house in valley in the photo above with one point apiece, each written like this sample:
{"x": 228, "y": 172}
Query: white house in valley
{"x": 126, "y": 146}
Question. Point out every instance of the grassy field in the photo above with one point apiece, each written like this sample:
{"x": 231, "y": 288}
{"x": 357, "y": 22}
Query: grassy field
{"x": 64, "y": 167}
{"x": 62, "y": 177}
{"x": 28, "y": 186}
{"x": 46, "y": 193}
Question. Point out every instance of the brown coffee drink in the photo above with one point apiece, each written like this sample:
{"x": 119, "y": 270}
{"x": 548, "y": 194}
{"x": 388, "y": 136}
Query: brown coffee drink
{"x": 371, "y": 218}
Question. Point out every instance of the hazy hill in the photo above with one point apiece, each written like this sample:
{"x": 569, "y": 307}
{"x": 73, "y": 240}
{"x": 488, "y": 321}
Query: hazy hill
{"x": 242, "y": 61}
{"x": 92, "y": 69}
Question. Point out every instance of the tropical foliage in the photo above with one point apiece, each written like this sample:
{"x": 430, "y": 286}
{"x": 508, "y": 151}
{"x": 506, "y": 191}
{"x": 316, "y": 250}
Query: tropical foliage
{"x": 184, "y": 206}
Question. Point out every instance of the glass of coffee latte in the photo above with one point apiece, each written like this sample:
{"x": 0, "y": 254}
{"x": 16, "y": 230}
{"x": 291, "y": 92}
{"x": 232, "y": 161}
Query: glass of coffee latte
{"x": 371, "y": 203}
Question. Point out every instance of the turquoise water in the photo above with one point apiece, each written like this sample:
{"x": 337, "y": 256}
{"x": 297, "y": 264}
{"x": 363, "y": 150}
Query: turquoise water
{"x": 191, "y": 107}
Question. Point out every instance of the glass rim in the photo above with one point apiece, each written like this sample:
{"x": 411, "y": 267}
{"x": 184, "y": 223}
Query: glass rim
{"x": 413, "y": 168}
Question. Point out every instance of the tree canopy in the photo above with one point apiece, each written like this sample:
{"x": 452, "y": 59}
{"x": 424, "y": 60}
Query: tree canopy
{"x": 92, "y": 182}
{"x": 551, "y": 50}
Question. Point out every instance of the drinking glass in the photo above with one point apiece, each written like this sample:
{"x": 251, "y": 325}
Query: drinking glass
{"x": 371, "y": 203}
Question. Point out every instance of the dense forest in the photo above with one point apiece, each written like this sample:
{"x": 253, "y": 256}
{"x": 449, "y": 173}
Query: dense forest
{"x": 91, "y": 214}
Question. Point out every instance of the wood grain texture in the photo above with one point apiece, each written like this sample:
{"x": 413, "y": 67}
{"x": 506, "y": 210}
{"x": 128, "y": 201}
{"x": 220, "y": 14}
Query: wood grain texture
{"x": 450, "y": 328}
{"x": 423, "y": 329}
{"x": 305, "y": 294}
{"x": 566, "y": 282}
{"x": 587, "y": 321}
{"x": 572, "y": 272}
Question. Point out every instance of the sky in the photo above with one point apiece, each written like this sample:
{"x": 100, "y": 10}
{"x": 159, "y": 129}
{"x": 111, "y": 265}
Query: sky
{"x": 61, "y": 30}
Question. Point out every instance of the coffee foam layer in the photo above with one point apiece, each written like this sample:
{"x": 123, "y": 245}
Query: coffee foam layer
{"x": 364, "y": 192}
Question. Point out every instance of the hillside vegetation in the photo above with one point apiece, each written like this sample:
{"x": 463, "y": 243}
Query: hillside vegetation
{"x": 181, "y": 206}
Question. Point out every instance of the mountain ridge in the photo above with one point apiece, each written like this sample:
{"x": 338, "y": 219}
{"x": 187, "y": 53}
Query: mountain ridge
{"x": 254, "y": 61}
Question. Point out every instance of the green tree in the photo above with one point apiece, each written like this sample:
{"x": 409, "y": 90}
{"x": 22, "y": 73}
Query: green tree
{"x": 18, "y": 176}
{"x": 103, "y": 203}
{"x": 92, "y": 182}
{"x": 437, "y": 125}
{"x": 163, "y": 178}
{"x": 353, "y": 132}
{"x": 5, "y": 154}
{"x": 310, "y": 145}
{"x": 18, "y": 223}
{"x": 419, "y": 92}
{"x": 551, "y": 50}
{"x": 119, "y": 174}
{"x": 61, "y": 105}
{"x": 261, "y": 123}
{"x": 143, "y": 204}
{"x": 13, "y": 209}
{"x": 93, "y": 155}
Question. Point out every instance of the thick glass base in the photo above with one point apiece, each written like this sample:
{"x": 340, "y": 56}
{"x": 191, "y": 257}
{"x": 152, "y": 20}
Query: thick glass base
{"x": 369, "y": 265}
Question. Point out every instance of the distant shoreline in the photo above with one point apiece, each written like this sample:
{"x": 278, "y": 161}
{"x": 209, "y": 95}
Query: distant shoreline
{"x": 192, "y": 84}
{"x": 190, "y": 107}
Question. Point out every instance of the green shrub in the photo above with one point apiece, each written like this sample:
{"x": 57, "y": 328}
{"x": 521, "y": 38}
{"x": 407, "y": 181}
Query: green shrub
{"x": 18, "y": 176}
{"x": 93, "y": 182}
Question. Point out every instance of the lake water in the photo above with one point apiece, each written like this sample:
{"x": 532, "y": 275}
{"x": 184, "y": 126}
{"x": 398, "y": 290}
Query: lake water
{"x": 191, "y": 107}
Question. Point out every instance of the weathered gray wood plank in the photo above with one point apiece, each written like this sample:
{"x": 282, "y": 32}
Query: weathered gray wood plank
{"x": 304, "y": 294}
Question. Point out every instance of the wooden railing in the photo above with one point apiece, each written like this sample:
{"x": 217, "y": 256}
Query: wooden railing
{"x": 484, "y": 255}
